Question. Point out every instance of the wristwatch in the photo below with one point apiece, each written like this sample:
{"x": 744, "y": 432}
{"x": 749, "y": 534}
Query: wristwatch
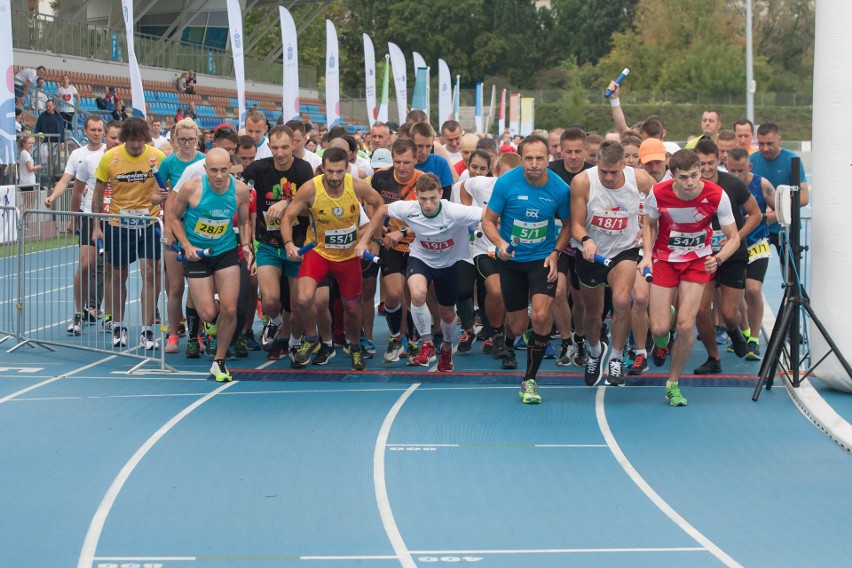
{"x": 403, "y": 230}
{"x": 584, "y": 239}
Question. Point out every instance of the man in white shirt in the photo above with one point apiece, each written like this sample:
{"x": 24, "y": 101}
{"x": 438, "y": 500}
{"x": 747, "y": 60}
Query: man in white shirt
{"x": 24, "y": 80}
{"x": 256, "y": 128}
{"x": 156, "y": 139}
{"x": 299, "y": 150}
{"x": 451, "y": 135}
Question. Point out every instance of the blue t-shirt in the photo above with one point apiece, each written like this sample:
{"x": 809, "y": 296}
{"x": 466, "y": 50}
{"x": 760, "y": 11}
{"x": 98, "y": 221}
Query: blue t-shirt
{"x": 529, "y": 212}
{"x": 762, "y": 229}
{"x": 777, "y": 171}
{"x": 172, "y": 167}
{"x": 440, "y": 167}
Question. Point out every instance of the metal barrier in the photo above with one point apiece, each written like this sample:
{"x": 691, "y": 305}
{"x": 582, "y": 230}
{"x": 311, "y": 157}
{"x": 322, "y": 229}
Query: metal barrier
{"x": 61, "y": 284}
{"x": 8, "y": 264}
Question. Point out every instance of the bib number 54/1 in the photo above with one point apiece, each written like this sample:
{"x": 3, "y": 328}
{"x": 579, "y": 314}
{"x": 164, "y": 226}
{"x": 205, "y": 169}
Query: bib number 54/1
{"x": 687, "y": 242}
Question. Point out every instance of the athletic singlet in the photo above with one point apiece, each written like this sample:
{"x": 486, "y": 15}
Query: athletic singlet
{"x": 480, "y": 189}
{"x": 529, "y": 212}
{"x": 132, "y": 183}
{"x": 612, "y": 215}
{"x": 391, "y": 190}
{"x": 209, "y": 224}
{"x": 334, "y": 221}
{"x": 762, "y": 229}
{"x": 684, "y": 226}
{"x": 173, "y": 167}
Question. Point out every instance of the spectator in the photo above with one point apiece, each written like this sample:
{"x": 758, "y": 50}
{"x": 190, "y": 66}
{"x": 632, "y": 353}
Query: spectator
{"x": 69, "y": 98}
{"x": 181, "y": 82}
{"x": 50, "y": 121}
{"x": 190, "y": 112}
{"x": 24, "y": 80}
{"x": 156, "y": 129}
{"x": 26, "y": 167}
{"x": 39, "y": 97}
{"x": 312, "y": 144}
{"x": 190, "y": 83}
{"x": 179, "y": 115}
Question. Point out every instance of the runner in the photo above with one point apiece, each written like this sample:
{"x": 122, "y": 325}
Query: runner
{"x": 135, "y": 193}
{"x": 605, "y": 205}
{"x": 332, "y": 200}
{"x": 525, "y": 204}
{"x": 202, "y": 218}
{"x": 441, "y": 230}
{"x": 677, "y": 244}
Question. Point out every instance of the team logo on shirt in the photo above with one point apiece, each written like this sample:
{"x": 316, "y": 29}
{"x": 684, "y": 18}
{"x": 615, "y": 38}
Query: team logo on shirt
{"x": 283, "y": 190}
{"x": 337, "y": 212}
{"x": 532, "y": 214}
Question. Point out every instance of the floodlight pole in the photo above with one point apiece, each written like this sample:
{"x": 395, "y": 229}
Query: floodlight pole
{"x": 750, "y": 86}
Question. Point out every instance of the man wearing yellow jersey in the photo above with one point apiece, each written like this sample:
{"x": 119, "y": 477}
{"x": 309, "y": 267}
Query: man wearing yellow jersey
{"x": 333, "y": 202}
{"x": 135, "y": 193}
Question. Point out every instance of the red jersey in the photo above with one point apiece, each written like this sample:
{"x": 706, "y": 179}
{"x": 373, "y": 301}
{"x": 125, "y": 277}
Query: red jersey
{"x": 685, "y": 232}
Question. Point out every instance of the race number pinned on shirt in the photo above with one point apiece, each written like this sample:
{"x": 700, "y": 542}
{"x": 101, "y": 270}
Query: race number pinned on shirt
{"x": 682, "y": 243}
{"x": 530, "y": 233}
{"x": 210, "y": 228}
{"x": 132, "y": 220}
{"x": 759, "y": 250}
{"x": 436, "y": 244}
{"x": 716, "y": 240}
{"x": 610, "y": 222}
{"x": 340, "y": 238}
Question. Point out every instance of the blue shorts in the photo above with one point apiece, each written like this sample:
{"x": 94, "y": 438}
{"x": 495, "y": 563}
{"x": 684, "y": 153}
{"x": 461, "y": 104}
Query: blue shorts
{"x": 272, "y": 256}
{"x": 123, "y": 246}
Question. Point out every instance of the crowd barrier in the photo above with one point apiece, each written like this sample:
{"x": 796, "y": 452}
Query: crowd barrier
{"x": 8, "y": 263}
{"x": 62, "y": 290}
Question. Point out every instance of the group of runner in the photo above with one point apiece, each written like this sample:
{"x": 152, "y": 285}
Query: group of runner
{"x": 549, "y": 240}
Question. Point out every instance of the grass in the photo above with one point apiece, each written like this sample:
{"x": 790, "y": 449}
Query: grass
{"x": 11, "y": 249}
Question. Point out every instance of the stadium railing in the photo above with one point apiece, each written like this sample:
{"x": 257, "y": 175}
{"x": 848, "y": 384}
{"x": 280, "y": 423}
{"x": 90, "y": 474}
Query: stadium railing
{"x": 56, "y": 278}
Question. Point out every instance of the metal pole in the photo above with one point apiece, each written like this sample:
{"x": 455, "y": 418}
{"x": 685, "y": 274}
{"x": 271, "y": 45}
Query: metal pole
{"x": 750, "y": 86}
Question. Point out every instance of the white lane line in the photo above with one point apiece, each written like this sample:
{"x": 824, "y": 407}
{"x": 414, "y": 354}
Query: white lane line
{"x": 570, "y": 445}
{"x": 497, "y": 445}
{"x": 380, "y": 485}
{"x": 93, "y": 535}
{"x": 557, "y": 551}
{"x": 649, "y": 492}
{"x": 145, "y": 558}
{"x": 54, "y": 379}
{"x": 347, "y": 558}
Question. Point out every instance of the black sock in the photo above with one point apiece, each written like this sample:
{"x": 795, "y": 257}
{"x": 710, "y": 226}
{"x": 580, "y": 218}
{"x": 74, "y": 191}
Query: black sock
{"x": 535, "y": 354}
{"x": 498, "y": 330}
{"x": 579, "y": 339}
{"x": 394, "y": 319}
{"x": 192, "y": 323}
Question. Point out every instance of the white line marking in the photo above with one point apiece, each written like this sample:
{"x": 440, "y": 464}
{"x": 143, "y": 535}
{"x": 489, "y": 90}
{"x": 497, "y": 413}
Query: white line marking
{"x": 570, "y": 445}
{"x": 145, "y": 558}
{"x": 9, "y": 397}
{"x": 381, "y": 489}
{"x": 93, "y": 535}
{"x": 649, "y": 492}
{"x": 557, "y": 551}
{"x": 347, "y": 558}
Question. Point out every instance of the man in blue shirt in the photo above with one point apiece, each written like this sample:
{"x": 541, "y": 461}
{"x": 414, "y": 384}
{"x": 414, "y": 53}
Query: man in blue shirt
{"x": 772, "y": 162}
{"x": 424, "y": 138}
{"x": 522, "y": 209}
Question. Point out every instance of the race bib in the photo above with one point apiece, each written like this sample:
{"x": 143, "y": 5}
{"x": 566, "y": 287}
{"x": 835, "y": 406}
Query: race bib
{"x": 437, "y": 245}
{"x": 130, "y": 222}
{"x": 530, "y": 233}
{"x": 610, "y": 222}
{"x": 340, "y": 238}
{"x": 210, "y": 228}
{"x": 716, "y": 240}
{"x": 759, "y": 250}
{"x": 687, "y": 242}
{"x": 271, "y": 225}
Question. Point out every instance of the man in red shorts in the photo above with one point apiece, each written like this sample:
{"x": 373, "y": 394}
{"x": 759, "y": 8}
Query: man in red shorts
{"x": 677, "y": 243}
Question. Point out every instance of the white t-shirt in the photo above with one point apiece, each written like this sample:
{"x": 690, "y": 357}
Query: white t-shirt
{"x": 66, "y": 98}
{"x": 25, "y": 176}
{"x": 263, "y": 150}
{"x": 364, "y": 165}
{"x": 480, "y": 188}
{"x": 440, "y": 241}
{"x": 671, "y": 147}
{"x": 455, "y": 157}
{"x": 38, "y": 101}
{"x": 155, "y": 142}
{"x": 77, "y": 157}
{"x": 193, "y": 170}
{"x": 86, "y": 173}
{"x": 24, "y": 76}
{"x": 311, "y": 158}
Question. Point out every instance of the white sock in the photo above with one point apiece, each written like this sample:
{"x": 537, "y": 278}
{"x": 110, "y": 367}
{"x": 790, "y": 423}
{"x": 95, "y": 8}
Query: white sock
{"x": 422, "y": 321}
{"x": 595, "y": 350}
{"x": 449, "y": 330}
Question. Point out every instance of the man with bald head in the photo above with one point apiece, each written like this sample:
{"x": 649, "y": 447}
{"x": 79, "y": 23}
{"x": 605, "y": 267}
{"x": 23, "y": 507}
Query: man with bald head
{"x": 202, "y": 222}
{"x": 467, "y": 145}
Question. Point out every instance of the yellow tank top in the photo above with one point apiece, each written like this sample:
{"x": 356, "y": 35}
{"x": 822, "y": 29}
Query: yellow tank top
{"x": 334, "y": 221}
{"x": 132, "y": 183}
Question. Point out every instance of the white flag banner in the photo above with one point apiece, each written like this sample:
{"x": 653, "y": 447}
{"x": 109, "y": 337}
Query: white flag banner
{"x": 502, "y": 119}
{"x": 8, "y": 149}
{"x": 235, "y": 26}
{"x": 137, "y": 94}
{"x": 383, "y": 99}
{"x": 370, "y": 78}
{"x": 478, "y": 109}
{"x": 445, "y": 93}
{"x": 332, "y": 76}
{"x": 399, "y": 80}
{"x": 289, "y": 39}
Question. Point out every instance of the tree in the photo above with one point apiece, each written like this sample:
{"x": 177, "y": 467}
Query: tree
{"x": 584, "y": 28}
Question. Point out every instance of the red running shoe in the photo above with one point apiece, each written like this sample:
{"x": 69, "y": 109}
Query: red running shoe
{"x": 426, "y": 354}
{"x": 445, "y": 361}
